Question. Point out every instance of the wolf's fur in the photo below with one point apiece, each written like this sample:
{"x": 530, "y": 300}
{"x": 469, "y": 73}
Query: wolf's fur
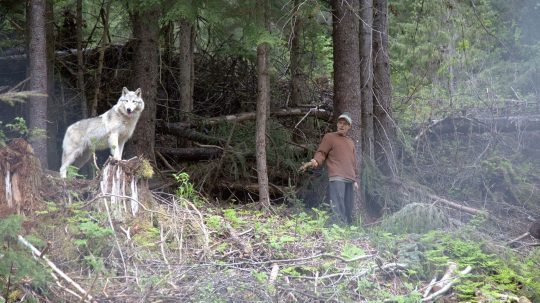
{"x": 109, "y": 130}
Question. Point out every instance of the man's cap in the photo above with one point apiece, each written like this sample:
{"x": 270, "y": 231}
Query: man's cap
{"x": 345, "y": 116}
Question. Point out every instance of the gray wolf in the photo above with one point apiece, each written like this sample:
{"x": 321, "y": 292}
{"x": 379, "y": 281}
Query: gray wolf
{"x": 109, "y": 130}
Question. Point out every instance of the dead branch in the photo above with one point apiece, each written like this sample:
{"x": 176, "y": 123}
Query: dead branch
{"x": 430, "y": 286}
{"x": 446, "y": 282}
{"x": 523, "y": 236}
{"x": 246, "y": 247}
{"x": 458, "y": 206}
{"x": 53, "y": 266}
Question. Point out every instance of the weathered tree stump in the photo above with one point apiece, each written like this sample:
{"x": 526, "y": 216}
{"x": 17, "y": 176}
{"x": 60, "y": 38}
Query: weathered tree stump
{"x": 20, "y": 177}
{"x": 120, "y": 188}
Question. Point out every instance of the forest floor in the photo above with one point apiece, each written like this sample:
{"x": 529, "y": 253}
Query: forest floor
{"x": 180, "y": 250}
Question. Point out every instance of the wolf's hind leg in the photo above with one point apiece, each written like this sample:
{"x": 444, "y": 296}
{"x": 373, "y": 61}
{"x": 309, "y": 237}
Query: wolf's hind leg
{"x": 68, "y": 158}
{"x": 83, "y": 158}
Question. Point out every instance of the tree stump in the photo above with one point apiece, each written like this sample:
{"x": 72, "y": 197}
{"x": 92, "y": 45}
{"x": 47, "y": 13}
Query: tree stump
{"x": 20, "y": 177}
{"x": 119, "y": 186}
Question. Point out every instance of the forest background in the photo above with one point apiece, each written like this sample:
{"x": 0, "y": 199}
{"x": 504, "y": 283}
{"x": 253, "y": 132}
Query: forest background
{"x": 238, "y": 94}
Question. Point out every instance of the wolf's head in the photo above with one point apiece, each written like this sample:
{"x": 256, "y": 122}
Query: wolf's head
{"x": 130, "y": 103}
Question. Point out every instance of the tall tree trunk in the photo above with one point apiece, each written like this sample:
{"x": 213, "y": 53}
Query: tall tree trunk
{"x": 53, "y": 106}
{"x": 366, "y": 76}
{"x": 186, "y": 68}
{"x": 345, "y": 35}
{"x": 450, "y": 52}
{"x": 346, "y": 59}
{"x": 37, "y": 72}
{"x": 383, "y": 124}
{"x": 146, "y": 69}
{"x": 104, "y": 13}
{"x": 80, "y": 62}
{"x": 168, "y": 72}
{"x": 263, "y": 105}
{"x": 298, "y": 77}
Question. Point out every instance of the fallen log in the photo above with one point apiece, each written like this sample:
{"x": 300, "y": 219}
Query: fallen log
{"x": 289, "y": 112}
{"x": 466, "y": 125}
{"x": 183, "y": 130}
{"x": 437, "y": 199}
{"x": 191, "y": 153}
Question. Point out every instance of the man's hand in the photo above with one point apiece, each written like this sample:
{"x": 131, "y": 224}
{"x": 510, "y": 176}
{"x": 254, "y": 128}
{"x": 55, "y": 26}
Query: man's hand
{"x": 311, "y": 164}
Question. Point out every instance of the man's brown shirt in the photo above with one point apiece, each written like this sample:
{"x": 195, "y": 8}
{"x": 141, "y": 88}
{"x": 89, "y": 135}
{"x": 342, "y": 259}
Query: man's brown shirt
{"x": 339, "y": 153}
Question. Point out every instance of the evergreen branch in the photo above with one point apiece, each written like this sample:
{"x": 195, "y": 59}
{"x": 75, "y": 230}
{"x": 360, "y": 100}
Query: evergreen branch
{"x": 12, "y": 98}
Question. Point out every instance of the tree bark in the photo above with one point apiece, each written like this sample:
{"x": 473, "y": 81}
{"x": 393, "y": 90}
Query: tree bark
{"x": 347, "y": 94}
{"x": 346, "y": 59}
{"x": 383, "y": 124}
{"x": 263, "y": 99}
{"x": 80, "y": 62}
{"x": 298, "y": 78}
{"x": 53, "y": 106}
{"x": 186, "y": 68}
{"x": 366, "y": 77}
{"x": 104, "y": 13}
{"x": 146, "y": 71}
{"x": 263, "y": 106}
{"x": 37, "y": 72}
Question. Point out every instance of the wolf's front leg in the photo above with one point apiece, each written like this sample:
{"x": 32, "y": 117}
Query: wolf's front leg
{"x": 121, "y": 144}
{"x": 115, "y": 148}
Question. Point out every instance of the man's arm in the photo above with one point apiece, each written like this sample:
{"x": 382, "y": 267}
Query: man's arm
{"x": 322, "y": 151}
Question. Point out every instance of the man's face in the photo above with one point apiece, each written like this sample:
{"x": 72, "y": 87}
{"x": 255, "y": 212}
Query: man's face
{"x": 343, "y": 127}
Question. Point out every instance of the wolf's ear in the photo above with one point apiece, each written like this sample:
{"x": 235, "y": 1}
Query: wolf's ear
{"x": 138, "y": 92}
{"x": 125, "y": 91}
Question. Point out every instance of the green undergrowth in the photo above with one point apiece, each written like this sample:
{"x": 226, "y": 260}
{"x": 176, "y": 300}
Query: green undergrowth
{"x": 210, "y": 252}
{"x": 17, "y": 266}
{"x": 497, "y": 272}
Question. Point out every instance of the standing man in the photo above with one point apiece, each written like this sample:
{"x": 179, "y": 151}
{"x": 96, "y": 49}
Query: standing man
{"x": 337, "y": 149}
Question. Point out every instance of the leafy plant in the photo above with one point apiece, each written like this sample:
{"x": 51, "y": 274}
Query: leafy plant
{"x": 18, "y": 126}
{"x": 231, "y": 216}
{"x": 350, "y": 251}
{"x": 186, "y": 190}
{"x": 93, "y": 236}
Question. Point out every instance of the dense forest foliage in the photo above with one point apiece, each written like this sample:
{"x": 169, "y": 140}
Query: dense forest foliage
{"x": 209, "y": 203}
